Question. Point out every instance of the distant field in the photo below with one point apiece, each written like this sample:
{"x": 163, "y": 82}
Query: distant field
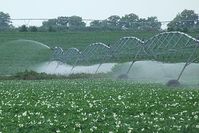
{"x": 72, "y": 39}
{"x": 96, "y": 106}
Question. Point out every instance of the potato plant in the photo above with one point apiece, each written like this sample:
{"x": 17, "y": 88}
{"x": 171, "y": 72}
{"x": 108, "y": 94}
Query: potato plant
{"x": 96, "y": 106}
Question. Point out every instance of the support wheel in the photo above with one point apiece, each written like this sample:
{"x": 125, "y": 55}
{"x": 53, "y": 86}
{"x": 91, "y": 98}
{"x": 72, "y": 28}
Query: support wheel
{"x": 123, "y": 76}
{"x": 173, "y": 83}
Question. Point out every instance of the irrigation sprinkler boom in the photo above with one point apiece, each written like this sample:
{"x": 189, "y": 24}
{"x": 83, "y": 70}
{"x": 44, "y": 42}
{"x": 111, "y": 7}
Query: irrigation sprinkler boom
{"x": 168, "y": 47}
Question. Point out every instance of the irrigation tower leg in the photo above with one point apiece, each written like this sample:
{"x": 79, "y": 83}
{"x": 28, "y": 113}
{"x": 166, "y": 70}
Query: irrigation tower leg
{"x": 189, "y": 61}
{"x": 74, "y": 66}
{"x": 98, "y": 68}
{"x": 176, "y": 83}
{"x": 130, "y": 67}
{"x": 125, "y": 76}
{"x": 180, "y": 75}
{"x": 133, "y": 62}
{"x": 71, "y": 71}
{"x": 49, "y": 62}
{"x": 57, "y": 66}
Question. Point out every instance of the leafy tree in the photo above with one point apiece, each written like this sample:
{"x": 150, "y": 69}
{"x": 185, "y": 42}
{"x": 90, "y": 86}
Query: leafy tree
{"x": 33, "y": 29}
{"x": 62, "y": 21}
{"x": 105, "y": 24}
{"x": 50, "y": 25}
{"x": 50, "y": 22}
{"x": 149, "y": 24}
{"x": 129, "y": 21}
{"x": 113, "y": 21}
{"x": 184, "y": 21}
{"x": 75, "y": 22}
{"x": 96, "y": 24}
{"x": 5, "y": 22}
{"x": 154, "y": 23}
{"x": 23, "y": 28}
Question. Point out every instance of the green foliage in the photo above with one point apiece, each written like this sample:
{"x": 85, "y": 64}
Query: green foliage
{"x": 75, "y": 22}
{"x": 96, "y": 106}
{"x": 23, "y": 28}
{"x": 96, "y": 24}
{"x": 32, "y": 75}
{"x": 64, "y": 24}
{"x": 62, "y": 21}
{"x": 50, "y": 22}
{"x": 184, "y": 21}
{"x": 5, "y": 22}
{"x": 149, "y": 24}
{"x": 112, "y": 23}
{"x": 49, "y": 25}
{"x": 33, "y": 29}
{"x": 128, "y": 22}
{"x": 51, "y": 29}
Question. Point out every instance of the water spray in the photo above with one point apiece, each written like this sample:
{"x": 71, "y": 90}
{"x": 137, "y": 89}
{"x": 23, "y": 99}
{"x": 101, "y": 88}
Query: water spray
{"x": 168, "y": 47}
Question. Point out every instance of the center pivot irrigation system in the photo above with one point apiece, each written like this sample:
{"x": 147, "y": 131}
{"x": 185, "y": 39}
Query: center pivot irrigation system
{"x": 168, "y": 47}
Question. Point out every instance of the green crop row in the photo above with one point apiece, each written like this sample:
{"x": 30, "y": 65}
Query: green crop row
{"x": 96, "y": 106}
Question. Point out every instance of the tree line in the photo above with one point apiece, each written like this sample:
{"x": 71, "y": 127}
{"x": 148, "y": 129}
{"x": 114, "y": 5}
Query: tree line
{"x": 185, "y": 21}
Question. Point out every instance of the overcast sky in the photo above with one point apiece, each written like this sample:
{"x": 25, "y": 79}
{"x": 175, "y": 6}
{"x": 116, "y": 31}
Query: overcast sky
{"x": 96, "y": 9}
